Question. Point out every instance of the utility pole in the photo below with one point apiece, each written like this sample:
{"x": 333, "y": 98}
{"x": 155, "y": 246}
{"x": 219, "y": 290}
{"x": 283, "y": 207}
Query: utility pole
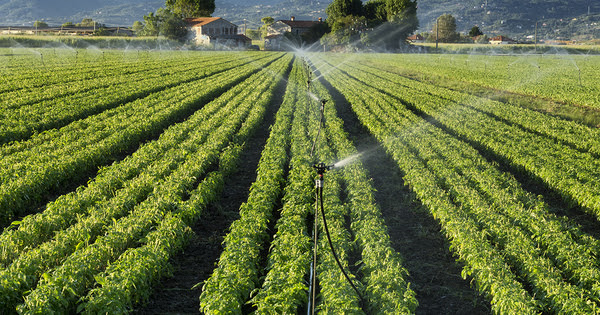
{"x": 437, "y": 33}
{"x": 535, "y": 37}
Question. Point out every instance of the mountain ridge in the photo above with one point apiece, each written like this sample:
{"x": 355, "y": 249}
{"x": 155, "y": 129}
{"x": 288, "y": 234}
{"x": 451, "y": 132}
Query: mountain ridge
{"x": 556, "y": 18}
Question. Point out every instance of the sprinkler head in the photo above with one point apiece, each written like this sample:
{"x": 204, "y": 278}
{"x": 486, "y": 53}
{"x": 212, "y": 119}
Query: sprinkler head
{"x": 322, "y": 168}
{"x": 323, "y": 104}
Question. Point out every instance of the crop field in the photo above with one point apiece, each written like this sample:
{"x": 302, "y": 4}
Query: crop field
{"x": 148, "y": 181}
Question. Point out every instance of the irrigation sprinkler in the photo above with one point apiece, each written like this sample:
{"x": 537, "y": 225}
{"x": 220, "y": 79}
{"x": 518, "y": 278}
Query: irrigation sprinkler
{"x": 321, "y": 169}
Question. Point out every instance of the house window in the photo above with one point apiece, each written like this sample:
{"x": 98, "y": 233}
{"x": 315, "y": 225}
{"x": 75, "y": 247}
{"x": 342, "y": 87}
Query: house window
{"x": 226, "y": 31}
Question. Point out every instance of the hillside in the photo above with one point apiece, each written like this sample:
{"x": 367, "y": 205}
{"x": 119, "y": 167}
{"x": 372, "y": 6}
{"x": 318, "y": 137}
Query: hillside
{"x": 557, "y": 18}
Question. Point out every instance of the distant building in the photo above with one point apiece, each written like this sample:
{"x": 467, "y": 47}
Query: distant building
{"x": 291, "y": 26}
{"x": 277, "y": 30}
{"x": 217, "y": 31}
{"x": 417, "y": 38}
{"x": 501, "y": 40}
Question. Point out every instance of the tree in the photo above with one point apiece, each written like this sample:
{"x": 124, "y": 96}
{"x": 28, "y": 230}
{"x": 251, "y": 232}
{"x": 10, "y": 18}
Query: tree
{"x": 40, "y": 24}
{"x": 150, "y": 25}
{"x": 342, "y": 8}
{"x": 171, "y": 25}
{"x": 137, "y": 27}
{"x": 315, "y": 33}
{"x": 375, "y": 11}
{"x": 87, "y": 22}
{"x": 475, "y": 31}
{"x": 253, "y": 34}
{"x": 445, "y": 29}
{"x": 164, "y": 23}
{"x": 392, "y": 22}
{"x": 191, "y": 8}
{"x": 68, "y": 24}
{"x": 264, "y": 29}
{"x": 101, "y": 32}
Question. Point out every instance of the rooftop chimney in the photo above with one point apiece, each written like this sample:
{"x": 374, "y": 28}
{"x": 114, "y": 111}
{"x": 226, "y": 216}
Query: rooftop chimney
{"x": 293, "y": 18}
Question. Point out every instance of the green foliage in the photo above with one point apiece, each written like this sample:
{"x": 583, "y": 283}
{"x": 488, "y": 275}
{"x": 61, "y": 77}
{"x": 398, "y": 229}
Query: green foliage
{"x": 315, "y": 33}
{"x": 339, "y": 9}
{"x": 267, "y": 21}
{"x": 137, "y": 27}
{"x": 191, "y": 8}
{"x": 475, "y": 31}
{"x": 253, "y": 34}
{"x": 164, "y": 23}
{"x": 101, "y": 32}
{"x": 40, "y": 24}
{"x": 379, "y": 24}
{"x": 481, "y": 209}
{"x": 68, "y": 24}
{"x": 87, "y": 22}
{"x": 444, "y": 29}
{"x": 375, "y": 11}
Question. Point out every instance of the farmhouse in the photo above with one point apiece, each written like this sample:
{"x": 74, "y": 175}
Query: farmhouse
{"x": 291, "y": 26}
{"x": 216, "y": 31}
{"x": 277, "y": 30}
{"x": 501, "y": 40}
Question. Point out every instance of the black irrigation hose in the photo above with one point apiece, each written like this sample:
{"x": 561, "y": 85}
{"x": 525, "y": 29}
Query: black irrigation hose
{"x": 333, "y": 250}
{"x": 319, "y": 196}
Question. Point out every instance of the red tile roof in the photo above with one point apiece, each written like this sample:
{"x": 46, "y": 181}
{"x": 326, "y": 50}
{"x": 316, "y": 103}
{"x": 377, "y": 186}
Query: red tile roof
{"x": 200, "y": 21}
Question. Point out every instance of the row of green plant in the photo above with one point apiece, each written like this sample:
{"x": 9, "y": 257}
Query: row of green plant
{"x": 124, "y": 286}
{"x": 561, "y": 77}
{"x": 27, "y": 115}
{"x": 173, "y": 203}
{"x": 78, "y": 42}
{"x": 69, "y": 154}
{"x": 128, "y": 180}
{"x": 284, "y": 288}
{"x": 572, "y": 133}
{"x": 383, "y": 276}
{"x": 23, "y": 69}
{"x": 55, "y": 73}
{"x": 239, "y": 266}
{"x": 480, "y": 191}
{"x": 336, "y": 293}
{"x": 572, "y": 173}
